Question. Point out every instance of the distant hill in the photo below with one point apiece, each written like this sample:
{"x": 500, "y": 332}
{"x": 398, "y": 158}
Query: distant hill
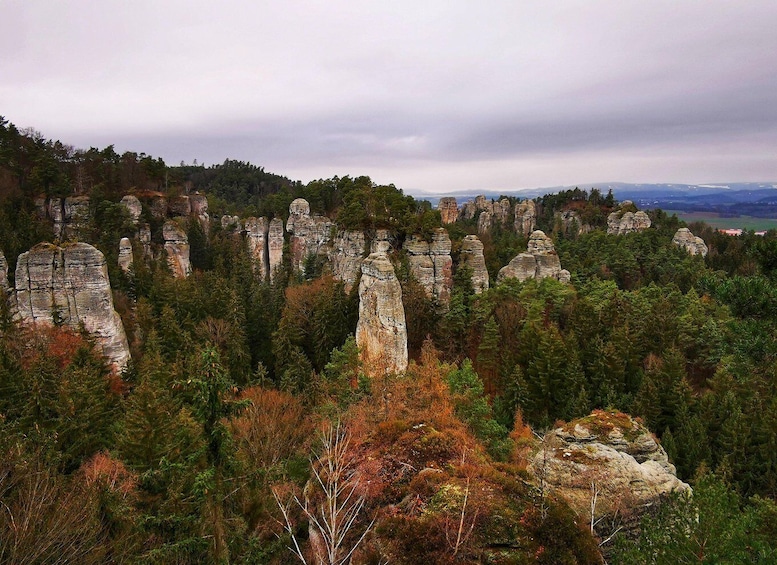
{"x": 757, "y": 199}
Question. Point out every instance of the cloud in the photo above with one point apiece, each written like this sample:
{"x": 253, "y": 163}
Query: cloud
{"x": 415, "y": 92}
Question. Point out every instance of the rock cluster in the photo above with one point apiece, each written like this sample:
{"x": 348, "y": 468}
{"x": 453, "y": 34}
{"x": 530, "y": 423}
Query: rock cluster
{"x": 431, "y": 264}
{"x": 525, "y": 217}
{"x": 472, "y": 256}
{"x": 449, "y": 209}
{"x": 540, "y": 261}
{"x": 490, "y": 212}
{"x": 571, "y": 224}
{"x": 616, "y": 454}
{"x": 68, "y": 215}
{"x": 691, "y": 243}
{"x": 177, "y": 249}
{"x": 623, "y": 220}
{"x": 309, "y": 234}
{"x": 381, "y": 332}
{"x": 346, "y": 256}
{"x": 70, "y": 285}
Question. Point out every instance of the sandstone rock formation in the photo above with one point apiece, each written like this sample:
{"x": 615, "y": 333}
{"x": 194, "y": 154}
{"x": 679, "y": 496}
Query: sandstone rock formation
{"x": 177, "y": 249}
{"x": 125, "y": 254}
{"x": 157, "y": 203}
{"x": 133, "y": 206}
{"x": 231, "y": 224}
{"x": 692, "y": 244}
{"x": 571, "y": 223}
{"x": 310, "y": 234}
{"x": 501, "y": 211}
{"x": 3, "y": 273}
{"x": 199, "y": 208}
{"x": 490, "y": 212}
{"x": 484, "y": 222}
{"x": 472, "y": 257}
{"x": 624, "y": 220}
{"x": 346, "y": 256}
{"x": 525, "y": 217}
{"x": 69, "y": 215}
{"x": 540, "y": 261}
{"x": 256, "y": 239}
{"x": 71, "y": 284}
{"x": 431, "y": 264}
{"x": 180, "y": 206}
{"x": 382, "y": 242}
{"x": 616, "y": 454}
{"x": 275, "y": 246}
{"x": 449, "y": 209}
{"x": 144, "y": 236}
{"x": 381, "y": 332}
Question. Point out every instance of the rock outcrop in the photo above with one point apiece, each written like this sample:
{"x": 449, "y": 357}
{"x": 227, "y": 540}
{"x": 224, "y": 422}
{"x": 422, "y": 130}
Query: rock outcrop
{"x": 495, "y": 212}
{"x": 616, "y": 454}
{"x": 199, "y": 209}
{"x": 70, "y": 285}
{"x": 525, "y": 217}
{"x": 691, "y": 243}
{"x": 381, "y": 332}
{"x": 310, "y": 234}
{"x": 540, "y": 261}
{"x": 231, "y": 224}
{"x": 3, "y": 273}
{"x": 431, "y": 264}
{"x": 180, "y": 206}
{"x": 68, "y": 215}
{"x": 346, "y": 256}
{"x": 125, "y": 254}
{"x": 275, "y": 246}
{"x": 472, "y": 256}
{"x": 449, "y": 209}
{"x": 382, "y": 242}
{"x": 484, "y": 222}
{"x": 571, "y": 224}
{"x": 177, "y": 249}
{"x": 256, "y": 240}
{"x": 133, "y": 206}
{"x": 627, "y": 220}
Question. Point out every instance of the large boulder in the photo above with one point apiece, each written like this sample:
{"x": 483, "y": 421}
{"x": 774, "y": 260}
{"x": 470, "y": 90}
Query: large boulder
{"x": 449, "y": 209}
{"x": 472, "y": 256}
{"x": 69, "y": 285}
{"x": 177, "y": 249}
{"x": 538, "y": 262}
{"x": 692, "y": 244}
{"x": 346, "y": 256}
{"x": 431, "y": 264}
{"x": 381, "y": 332}
{"x": 608, "y": 455}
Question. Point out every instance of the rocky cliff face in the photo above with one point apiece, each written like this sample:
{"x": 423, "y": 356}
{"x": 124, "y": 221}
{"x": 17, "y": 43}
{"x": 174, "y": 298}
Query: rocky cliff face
{"x": 177, "y": 249}
{"x": 68, "y": 215}
{"x": 310, "y": 234}
{"x": 472, "y": 257}
{"x": 256, "y": 230}
{"x": 525, "y": 217}
{"x": 540, "y": 261}
{"x": 449, "y": 209}
{"x": 692, "y": 244}
{"x": 71, "y": 284}
{"x": 431, "y": 264}
{"x": 616, "y": 454}
{"x": 625, "y": 220}
{"x": 498, "y": 212}
{"x": 381, "y": 332}
{"x": 275, "y": 245}
{"x": 125, "y": 254}
{"x": 346, "y": 256}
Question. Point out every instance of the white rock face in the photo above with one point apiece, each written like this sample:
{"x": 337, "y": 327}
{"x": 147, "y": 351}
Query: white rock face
{"x": 381, "y": 332}
{"x": 177, "y": 249}
{"x": 540, "y": 261}
{"x": 621, "y": 222}
{"x": 431, "y": 265}
{"x": 692, "y": 244}
{"x": 275, "y": 246}
{"x": 133, "y": 206}
{"x": 623, "y": 459}
{"x": 472, "y": 257}
{"x": 71, "y": 283}
{"x": 125, "y": 254}
{"x": 525, "y": 217}
{"x": 256, "y": 239}
{"x": 310, "y": 234}
{"x": 346, "y": 256}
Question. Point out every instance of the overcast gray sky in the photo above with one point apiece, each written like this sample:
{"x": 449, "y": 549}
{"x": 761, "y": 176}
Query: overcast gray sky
{"x": 430, "y": 95}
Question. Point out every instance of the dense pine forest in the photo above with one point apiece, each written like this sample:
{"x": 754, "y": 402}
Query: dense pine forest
{"x": 249, "y": 428}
